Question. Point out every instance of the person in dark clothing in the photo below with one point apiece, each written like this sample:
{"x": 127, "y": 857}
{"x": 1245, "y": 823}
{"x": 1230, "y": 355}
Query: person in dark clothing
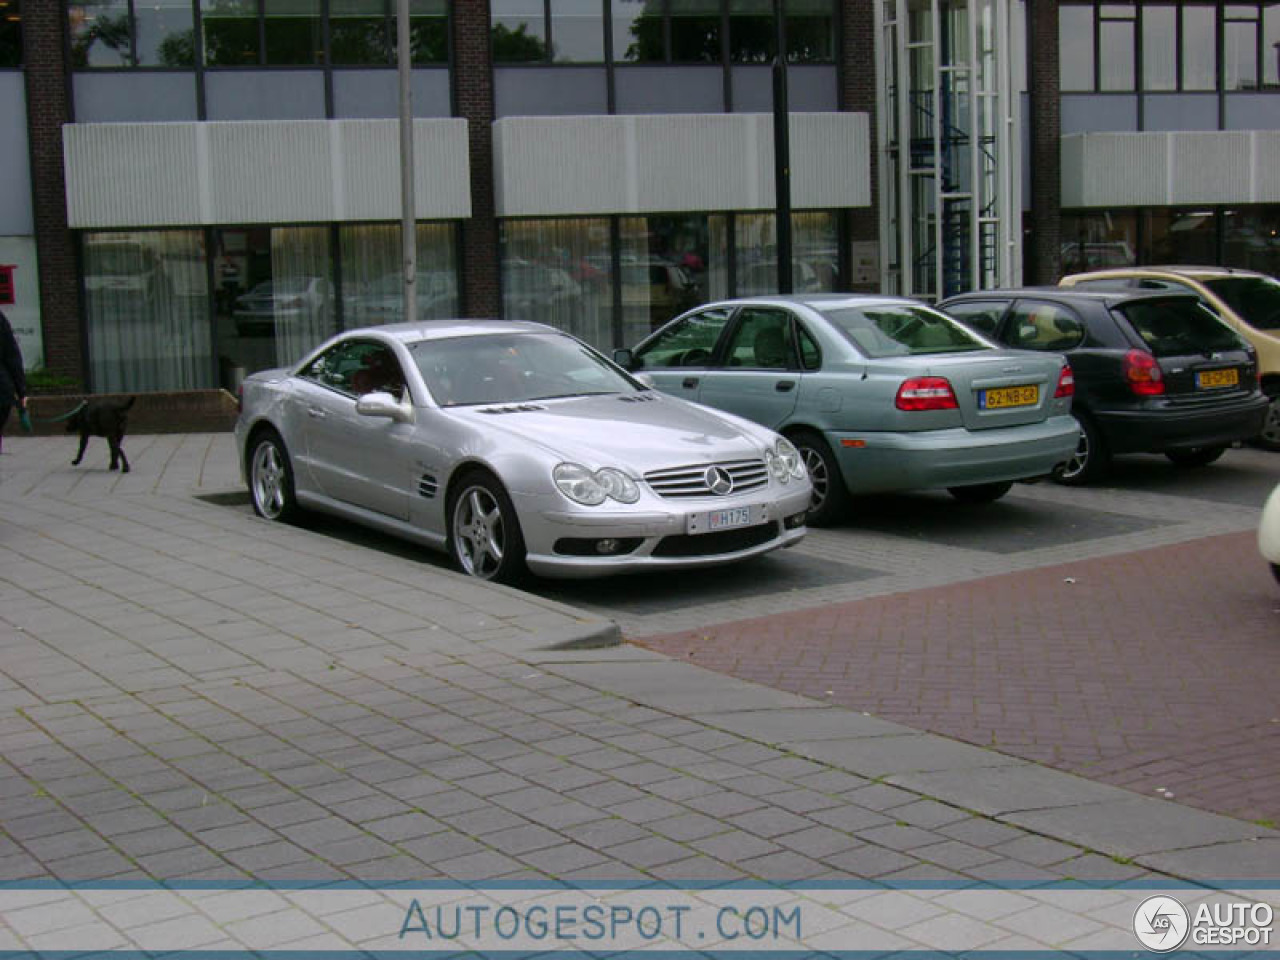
{"x": 13, "y": 381}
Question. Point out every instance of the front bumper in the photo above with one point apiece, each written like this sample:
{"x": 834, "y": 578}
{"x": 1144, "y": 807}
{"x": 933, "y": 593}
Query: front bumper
{"x": 656, "y": 537}
{"x": 1158, "y": 429}
{"x": 954, "y": 457}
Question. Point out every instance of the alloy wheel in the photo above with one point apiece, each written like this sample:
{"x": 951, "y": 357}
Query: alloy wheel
{"x": 269, "y": 480}
{"x": 479, "y": 533}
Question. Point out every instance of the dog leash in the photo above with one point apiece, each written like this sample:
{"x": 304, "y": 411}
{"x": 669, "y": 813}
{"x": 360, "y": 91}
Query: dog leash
{"x": 25, "y": 420}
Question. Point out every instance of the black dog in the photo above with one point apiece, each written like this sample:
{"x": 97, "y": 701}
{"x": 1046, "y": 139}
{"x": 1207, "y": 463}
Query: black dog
{"x": 102, "y": 418}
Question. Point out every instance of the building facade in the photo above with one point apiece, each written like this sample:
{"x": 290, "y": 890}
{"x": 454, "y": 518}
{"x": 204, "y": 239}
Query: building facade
{"x": 195, "y": 189}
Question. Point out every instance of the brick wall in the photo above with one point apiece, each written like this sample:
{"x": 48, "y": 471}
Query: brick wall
{"x": 857, "y": 79}
{"x": 48, "y": 108}
{"x": 473, "y": 101}
{"x": 1042, "y": 254}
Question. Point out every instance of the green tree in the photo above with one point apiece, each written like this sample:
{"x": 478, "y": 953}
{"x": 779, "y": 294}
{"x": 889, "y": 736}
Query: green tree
{"x": 178, "y": 49}
{"x": 516, "y": 45}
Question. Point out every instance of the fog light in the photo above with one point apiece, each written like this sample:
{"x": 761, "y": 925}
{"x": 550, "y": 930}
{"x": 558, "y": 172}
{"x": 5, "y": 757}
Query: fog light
{"x": 795, "y": 521}
{"x": 607, "y": 546}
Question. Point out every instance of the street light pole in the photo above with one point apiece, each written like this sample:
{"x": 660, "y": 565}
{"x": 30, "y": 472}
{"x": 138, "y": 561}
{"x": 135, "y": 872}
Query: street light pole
{"x": 781, "y": 151}
{"x": 408, "y": 215}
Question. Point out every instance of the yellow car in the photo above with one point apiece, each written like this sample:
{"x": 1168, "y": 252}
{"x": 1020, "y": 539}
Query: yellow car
{"x": 1248, "y": 301}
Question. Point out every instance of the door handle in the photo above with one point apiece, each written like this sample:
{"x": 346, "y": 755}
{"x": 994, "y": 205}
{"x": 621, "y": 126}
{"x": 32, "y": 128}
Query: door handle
{"x": 315, "y": 413}
{"x": 689, "y": 383}
{"x": 782, "y": 386}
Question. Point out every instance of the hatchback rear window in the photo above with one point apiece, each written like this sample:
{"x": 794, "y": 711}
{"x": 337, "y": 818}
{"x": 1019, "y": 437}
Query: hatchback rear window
{"x": 894, "y": 330}
{"x": 1173, "y": 328}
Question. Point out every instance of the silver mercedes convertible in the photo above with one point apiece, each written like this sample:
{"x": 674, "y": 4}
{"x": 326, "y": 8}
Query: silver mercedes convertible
{"x": 514, "y": 447}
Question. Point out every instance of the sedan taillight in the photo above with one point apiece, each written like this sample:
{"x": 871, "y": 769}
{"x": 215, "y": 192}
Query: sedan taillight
{"x": 1143, "y": 374}
{"x": 926, "y": 393}
{"x": 1066, "y": 382}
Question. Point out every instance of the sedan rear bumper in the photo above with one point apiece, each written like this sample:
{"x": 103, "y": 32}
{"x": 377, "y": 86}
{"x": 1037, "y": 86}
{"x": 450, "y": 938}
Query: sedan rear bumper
{"x": 957, "y": 457}
{"x": 1159, "y": 430}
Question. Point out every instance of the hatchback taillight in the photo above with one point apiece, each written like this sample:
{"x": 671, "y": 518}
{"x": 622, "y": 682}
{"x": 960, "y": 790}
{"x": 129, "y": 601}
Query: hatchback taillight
{"x": 1066, "y": 382}
{"x": 1143, "y": 374}
{"x": 926, "y": 393}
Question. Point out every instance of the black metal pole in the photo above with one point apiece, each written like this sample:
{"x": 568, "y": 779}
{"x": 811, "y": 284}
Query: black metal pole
{"x": 781, "y": 151}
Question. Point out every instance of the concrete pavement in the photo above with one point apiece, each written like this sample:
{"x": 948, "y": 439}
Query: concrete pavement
{"x": 189, "y": 692}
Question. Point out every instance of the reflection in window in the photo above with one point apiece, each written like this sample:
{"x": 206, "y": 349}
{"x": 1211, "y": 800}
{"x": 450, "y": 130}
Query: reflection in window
{"x": 557, "y": 272}
{"x": 1251, "y": 238}
{"x": 428, "y": 31}
{"x": 638, "y": 34}
{"x": 373, "y": 280}
{"x": 1159, "y": 47}
{"x": 814, "y": 253}
{"x": 695, "y": 31}
{"x": 1116, "y": 54}
{"x": 1199, "y": 48}
{"x": 752, "y": 33}
{"x": 577, "y": 31}
{"x": 1075, "y": 47}
{"x": 10, "y": 33}
{"x": 292, "y": 32}
{"x": 146, "y": 311}
{"x": 359, "y": 32}
{"x": 1240, "y": 53}
{"x": 665, "y": 269}
{"x": 1093, "y": 241}
{"x": 101, "y": 35}
{"x": 519, "y": 31}
{"x": 1271, "y": 45}
{"x": 230, "y": 29}
{"x": 164, "y": 36}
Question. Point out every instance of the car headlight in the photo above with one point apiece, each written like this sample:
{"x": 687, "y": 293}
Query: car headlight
{"x": 785, "y": 462}
{"x": 592, "y": 489}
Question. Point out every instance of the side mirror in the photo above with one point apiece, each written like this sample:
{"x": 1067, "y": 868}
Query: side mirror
{"x": 381, "y": 404}
{"x": 623, "y": 358}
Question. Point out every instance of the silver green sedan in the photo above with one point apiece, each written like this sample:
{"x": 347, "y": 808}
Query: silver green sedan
{"x": 878, "y": 393}
{"x": 514, "y": 446}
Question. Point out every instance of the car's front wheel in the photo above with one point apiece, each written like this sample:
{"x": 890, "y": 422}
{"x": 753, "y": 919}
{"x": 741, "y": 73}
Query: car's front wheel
{"x": 271, "y": 478}
{"x": 830, "y": 496}
{"x": 980, "y": 492}
{"x": 1198, "y": 457}
{"x": 1269, "y": 438}
{"x": 484, "y": 532}
{"x": 1091, "y": 459}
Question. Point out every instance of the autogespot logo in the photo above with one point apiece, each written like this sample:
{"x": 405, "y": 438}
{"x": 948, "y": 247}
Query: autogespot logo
{"x": 1161, "y": 923}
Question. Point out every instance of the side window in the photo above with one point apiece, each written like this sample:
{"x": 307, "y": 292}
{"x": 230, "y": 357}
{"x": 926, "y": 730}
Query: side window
{"x": 357, "y": 367}
{"x": 688, "y": 343}
{"x": 762, "y": 341}
{"x": 1043, "y": 326}
{"x": 810, "y": 353}
{"x": 980, "y": 315}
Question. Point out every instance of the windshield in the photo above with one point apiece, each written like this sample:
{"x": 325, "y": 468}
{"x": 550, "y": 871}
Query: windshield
{"x": 899, "y": 330}
{"x": 515, "y": 368}
{"x": 1255, "y": 300}
{"x": 1172, "y": 328}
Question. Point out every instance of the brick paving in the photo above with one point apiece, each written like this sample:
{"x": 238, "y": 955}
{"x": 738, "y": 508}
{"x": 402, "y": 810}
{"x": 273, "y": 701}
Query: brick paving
{"x": 1153, "y": 670}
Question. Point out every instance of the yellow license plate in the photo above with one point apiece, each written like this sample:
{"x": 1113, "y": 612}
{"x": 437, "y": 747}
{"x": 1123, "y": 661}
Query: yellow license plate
{"x": 1217, "y": 378}
{"x": 999, "y": 397}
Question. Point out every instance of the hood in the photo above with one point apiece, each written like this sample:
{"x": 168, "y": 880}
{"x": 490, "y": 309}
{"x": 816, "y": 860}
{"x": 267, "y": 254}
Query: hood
{"x": 643, "y": 431}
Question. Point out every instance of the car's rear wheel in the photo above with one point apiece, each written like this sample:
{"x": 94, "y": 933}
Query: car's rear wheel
{"x": 484, "y": 532}
{"x": 271, "y": 478}
{"x": 1091, "y": 459}
{"x": 830, "y": 496}
{"x": 981, "y": 492}
{"x": 1269, "y": 438}
{"x": 1198, "y": 457}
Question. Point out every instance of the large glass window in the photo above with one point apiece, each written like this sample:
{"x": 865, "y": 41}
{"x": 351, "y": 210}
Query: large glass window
{"x": 1093, "y": 241}
{"x": 1075, "y": 47}
{"x": 230, "y": 30}
{"x": 1159, "y": 47}
{"x": 1271, "y": 44}
{"x": 557, "y": 272}
{"x": 291, "y": 30}
{"x": 1240, "y": 47}
{"x": 567, "y": 31}
{"x": 664, "y": 264}
{"x": 577, "y": 31}
{"x": 101, "y": 34}
{"x": 359, "y": 32}
{"x": 373, "y": 280}
{"x": 428, "y": 31}
{"x": 638, "y": 31}
{"x": 146, "y": 307}
{"x": 695, "y": 31}
{"x": 1183, "y": 236}
{"x": 1251, "y": 238}
{"x": 1199, "y": 47}
{"x": 814, "y": 261}
{"x": 1117, "y": 50}
{"x": 10, "y": 33}
{"x": 519, "y": 30}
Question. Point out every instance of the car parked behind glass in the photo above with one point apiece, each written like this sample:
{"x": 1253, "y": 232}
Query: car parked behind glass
{"x": 1154, "y": 372}
{"x": 1249, "y": 302}
{"x": 878, "y": 393}
{"x": 513, "y": 446}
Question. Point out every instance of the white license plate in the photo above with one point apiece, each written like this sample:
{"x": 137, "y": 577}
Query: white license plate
{"x": 715, "y": 520}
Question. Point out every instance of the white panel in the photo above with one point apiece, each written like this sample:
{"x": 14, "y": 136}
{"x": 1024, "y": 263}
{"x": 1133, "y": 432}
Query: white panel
{"x": 561, "y": 166}
{"x": 131, "y": 174}
{"x": 1170, "y": 169}
{"x": 166, "y": 174}
{"x": 1209, "y": 167}
{"x": 271, "y": 172}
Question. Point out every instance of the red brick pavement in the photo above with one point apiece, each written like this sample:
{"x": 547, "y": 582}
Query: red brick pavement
{"x": 1155, "y": 670}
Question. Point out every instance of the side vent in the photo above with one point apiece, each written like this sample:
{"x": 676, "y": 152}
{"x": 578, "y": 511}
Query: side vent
{"x": 638, "y": 397}
{"x": 512, "y": 408}
{"x": 428, "y": 486}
